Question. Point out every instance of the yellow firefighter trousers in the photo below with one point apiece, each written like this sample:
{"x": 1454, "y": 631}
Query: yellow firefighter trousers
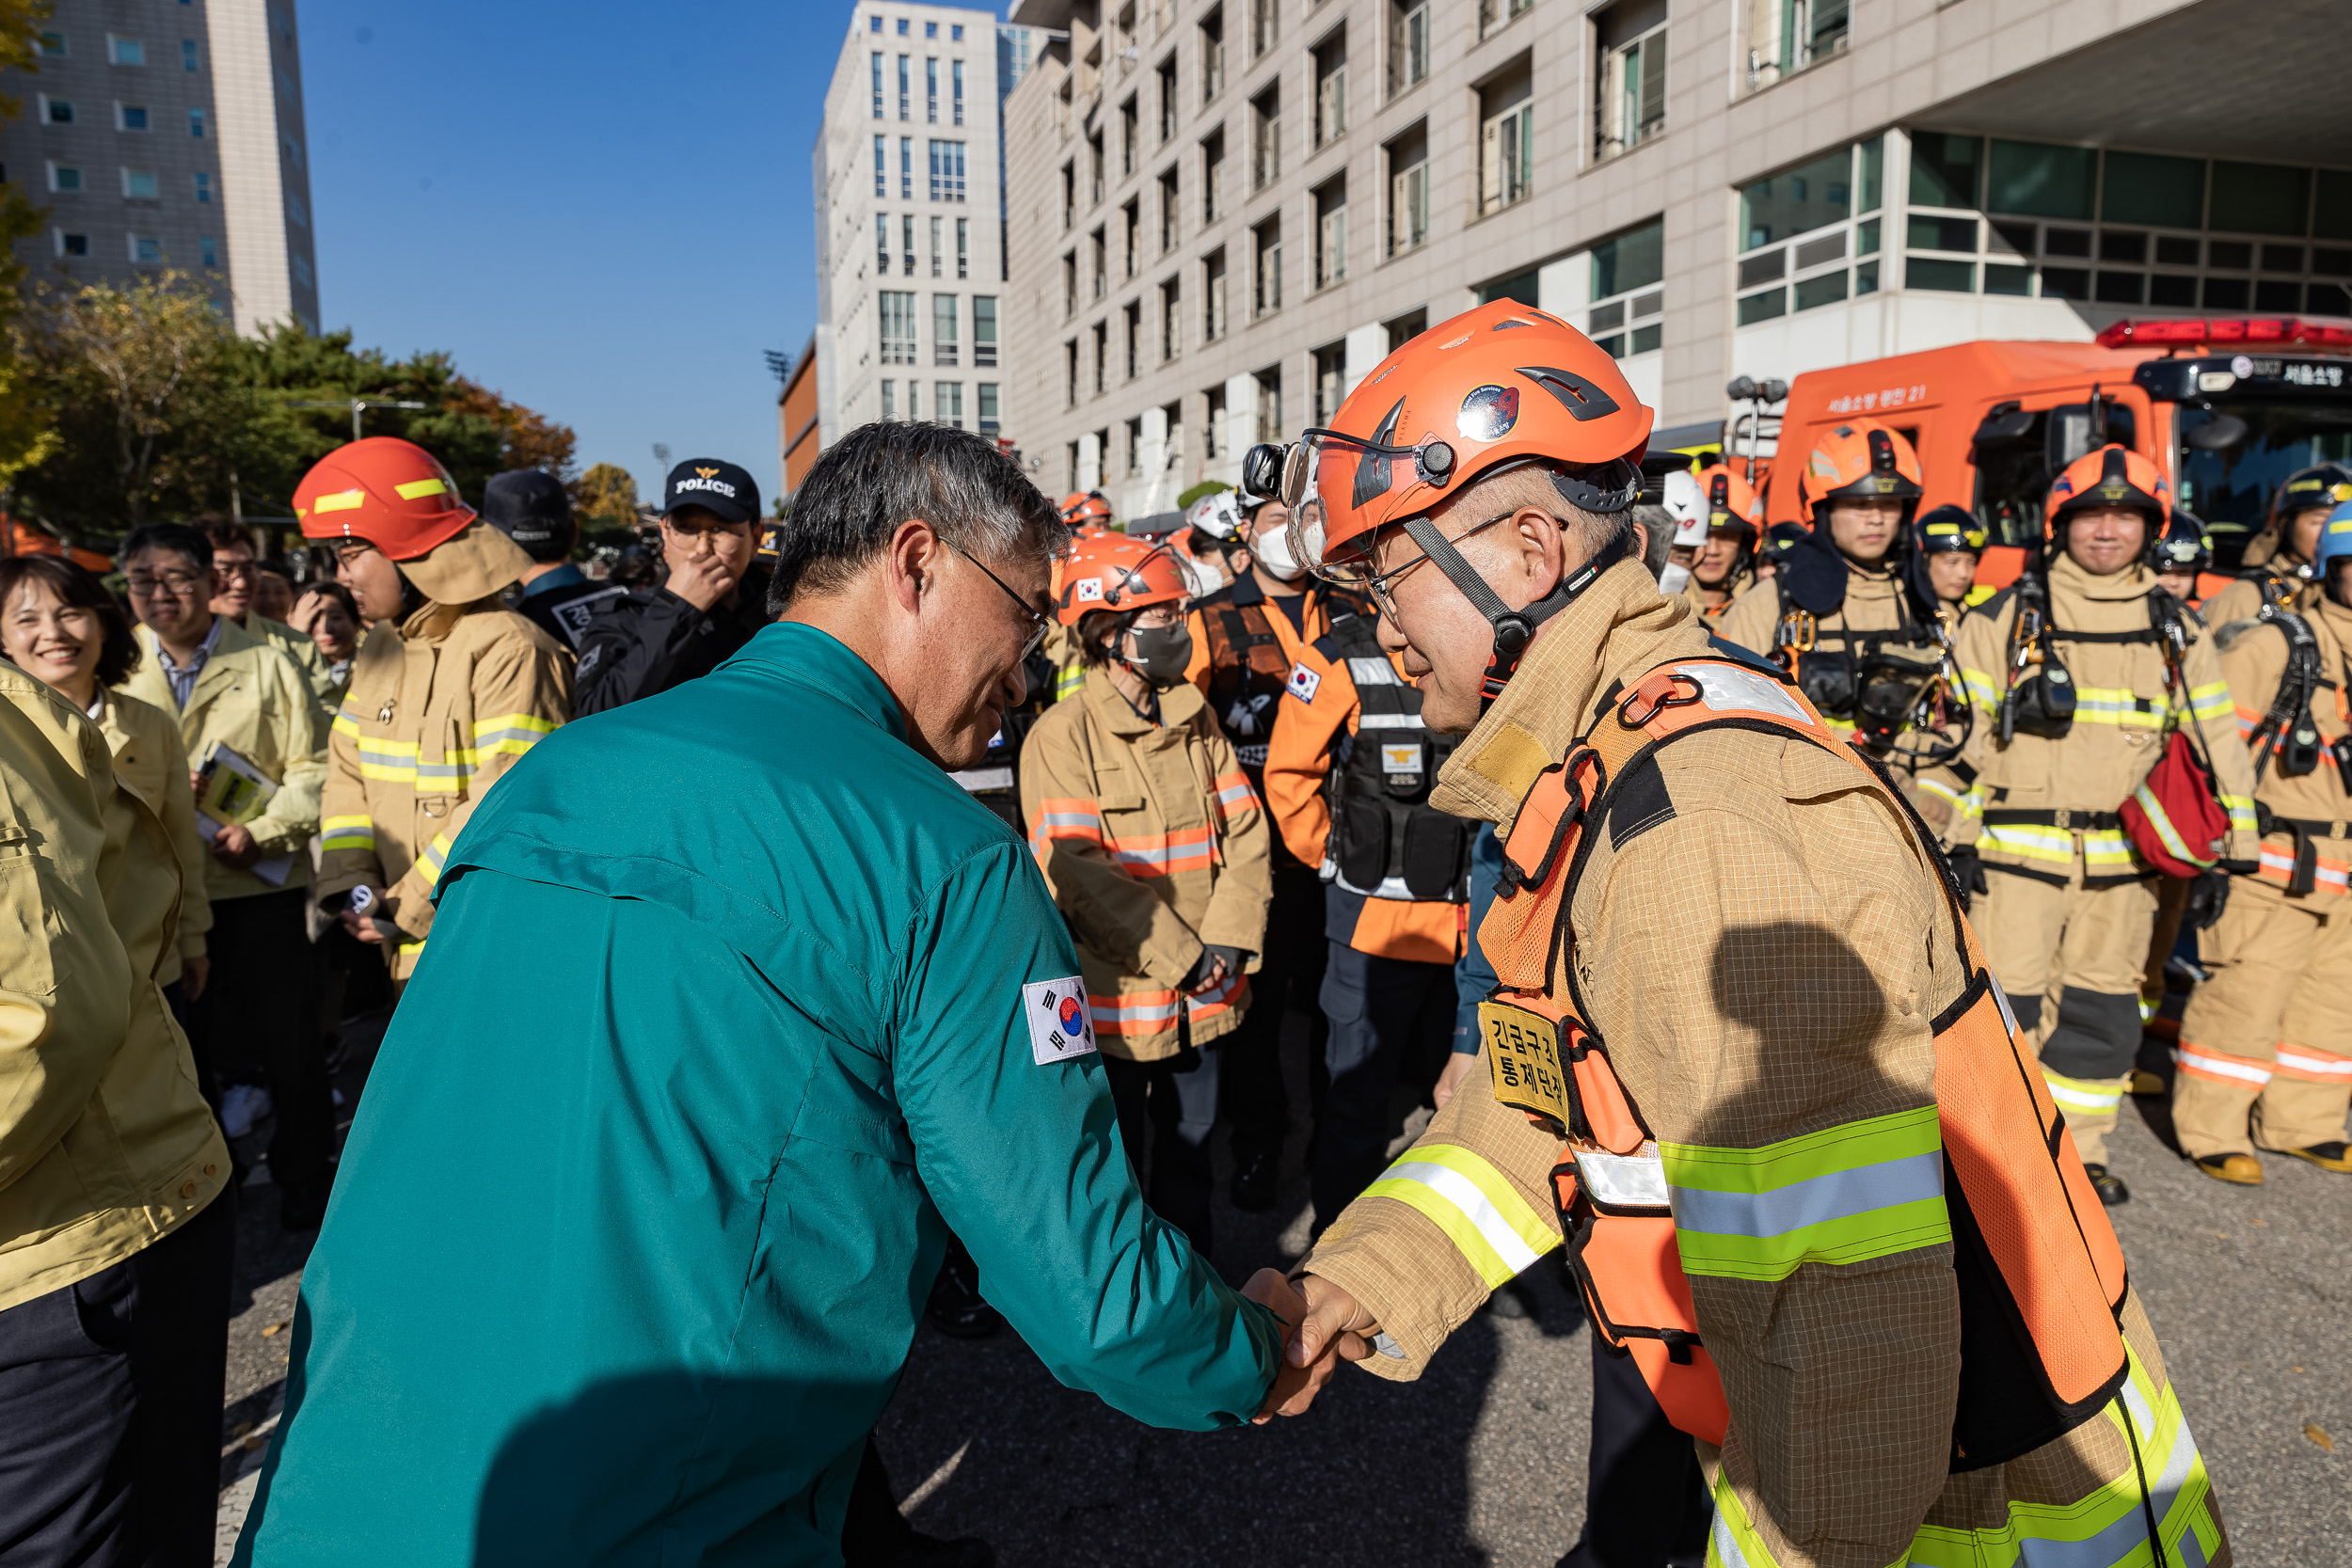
{"x": 2071, "y": 959}
{"x": 2271, "y": 1032}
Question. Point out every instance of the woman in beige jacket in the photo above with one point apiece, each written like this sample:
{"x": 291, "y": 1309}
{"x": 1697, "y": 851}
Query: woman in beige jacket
{"x": 1155, "y": 847}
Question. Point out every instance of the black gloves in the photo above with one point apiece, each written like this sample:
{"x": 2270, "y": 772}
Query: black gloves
{"x": 1206, "y": 962}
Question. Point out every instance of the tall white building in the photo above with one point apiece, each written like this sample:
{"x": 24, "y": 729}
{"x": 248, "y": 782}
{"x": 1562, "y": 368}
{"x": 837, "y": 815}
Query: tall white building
{"x": 170, "y": 133}
{"x": 910, "y": 220}
{"x": 1224, "y": 213}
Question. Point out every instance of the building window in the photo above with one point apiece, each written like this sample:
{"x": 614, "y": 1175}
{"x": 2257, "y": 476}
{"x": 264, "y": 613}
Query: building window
{"x": 882, "y": 244}
{"x": 1627, "y": 303}
{"x": 875, "y": 22}
{"x": 943, "y": 334}
{"x": 948, "y": 403}
{"x": 896, "y": 311}
{"x": 1069, "y": 284}
{"x": 984, "y": 330}
{"x": 145, "y": 249}
{"x": 1408, "y": 190}
{"x": 1131, "y": 325}
{"x": 1127, "y": 138}
{"x": 1506, "y": 136}
{"x": 299, "y": 265}
{"x": 1266, "y": 138}
{"x": 138, "y": 184}
{"x": 990, "y": 424}
{"x": 1213, "y": 427}
{"x": 1068, "y": 197}
{"x": 53, "y": 46}
{"x": 1330, "y": 381}
{"x": 889, "y": 399}
{"x": 946, "y": 172}
{"x": 1171, "y": 320}
{"x": 64, "y": 178}
{"x": 1495, "y": 15}
{"x": 1213, "y": 179}
{"x": 1408, "y": 43}
{"x": 130, "y": 117}
{"x": 1266, "y": 240}
{"x": 57, "y": 111}
{"x": 1331, "y": 234}
{"x": 1171, "y": 211}
{"x": 196, "y": 127}
{"x": 1405, "y": 328}
{"x": 204, "y": 193}
{"x": 881, "y": 165}
{"x": 1131, "y": 232}
{"x": 938, "y": 261}
{"x": 1211, "y": 54}
{"x": 211, "y": 255}
{"x": 1811, "y": 235}
{"x": 1102, "y": 358}
{"x": 1270, "y": 403}
{"x": 1133, "y": 443}
{"x": 906, "y": 100}
{"x": 1102, "y": 263}
{"x": 906, "y": 241}
{"x": 903, "y": 26}
{"x": 1630, "y": 93}
{"x": 1167, "y": 75}
{"x": 1331, "y": 89}
{"x": 955, "y": 33}
{"x": 188, "y": 60}
{"x": 906, "y": 168}
{"x": 125, "y": 51}
{"x": 931, "y": 29}
{"x": 878, "y": 83}
{"x": 930, "y": 90}
{"x": 1094, "y": 169}
{"x": 296, "y": 209}
{"x": 1786, "y": 36}
{"x": 963, "y": 248}
{"x": 1213, "y": 296}
{"x": 1265, "y": 26}
{"x": 914, "y": 399}
{"x": 72, "y": 245}
{"x": 958, "y": 71}
{"x": 1070, "y": 372}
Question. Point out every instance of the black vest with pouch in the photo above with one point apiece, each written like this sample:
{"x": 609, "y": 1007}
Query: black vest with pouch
{"x": 1387, "y": 841}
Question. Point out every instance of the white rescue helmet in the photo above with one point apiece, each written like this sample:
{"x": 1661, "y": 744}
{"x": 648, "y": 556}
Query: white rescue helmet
{"x": 1686, "y": 503}
{"x": 1219, "y": 515}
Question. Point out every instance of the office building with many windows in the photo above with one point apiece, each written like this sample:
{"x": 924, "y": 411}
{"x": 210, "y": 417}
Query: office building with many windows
{"x": 909, "y": 219}
{"x": 170, "y": 133}
{"x": 1222, "y": 213}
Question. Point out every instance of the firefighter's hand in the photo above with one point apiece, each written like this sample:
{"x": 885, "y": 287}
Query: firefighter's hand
{"x": 1333, "y": 1329}
{"x": 233, "y": 847}
{"x": 1458, "y": 1067}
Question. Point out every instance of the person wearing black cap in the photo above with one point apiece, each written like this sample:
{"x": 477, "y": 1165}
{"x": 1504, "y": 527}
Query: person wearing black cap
{"x": 711, "y": 601}
{"x": 529, "y": 507}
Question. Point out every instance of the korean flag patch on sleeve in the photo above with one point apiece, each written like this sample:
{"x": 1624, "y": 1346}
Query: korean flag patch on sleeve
{"x": 1060, "y": 1028}
{"x": 1303, "y": 683}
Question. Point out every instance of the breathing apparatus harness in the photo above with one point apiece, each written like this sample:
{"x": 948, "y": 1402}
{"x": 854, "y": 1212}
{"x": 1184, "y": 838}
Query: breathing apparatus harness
{"x": 2289, "y": 718}
{"x": 1885, "y": 694}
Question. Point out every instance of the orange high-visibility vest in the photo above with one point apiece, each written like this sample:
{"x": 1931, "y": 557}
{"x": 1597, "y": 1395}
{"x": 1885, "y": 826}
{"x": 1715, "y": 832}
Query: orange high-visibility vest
{"x": 2040, "y": 1274}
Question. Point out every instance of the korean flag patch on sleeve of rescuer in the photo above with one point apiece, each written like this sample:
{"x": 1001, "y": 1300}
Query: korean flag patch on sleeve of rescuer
{"x": 1303, "y": 683}
{"x": 1060, "y": 1028}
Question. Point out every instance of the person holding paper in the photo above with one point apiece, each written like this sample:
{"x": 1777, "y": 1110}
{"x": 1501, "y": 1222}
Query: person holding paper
{"x": 243, "y": 708}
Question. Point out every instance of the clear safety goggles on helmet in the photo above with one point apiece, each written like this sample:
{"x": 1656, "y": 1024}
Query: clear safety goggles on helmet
{"x": 1327, "y": 458}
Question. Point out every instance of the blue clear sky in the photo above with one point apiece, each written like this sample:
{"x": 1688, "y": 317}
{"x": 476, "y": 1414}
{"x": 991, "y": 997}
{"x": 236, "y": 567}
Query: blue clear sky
{"x": 602, "y": 210}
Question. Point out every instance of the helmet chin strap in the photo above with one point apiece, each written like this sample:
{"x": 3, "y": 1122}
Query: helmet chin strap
{"x": 1513, "y": 629}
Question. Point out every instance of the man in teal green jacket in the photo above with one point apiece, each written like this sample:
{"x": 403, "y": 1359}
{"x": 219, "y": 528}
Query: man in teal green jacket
{"x": 736, "y": 1004}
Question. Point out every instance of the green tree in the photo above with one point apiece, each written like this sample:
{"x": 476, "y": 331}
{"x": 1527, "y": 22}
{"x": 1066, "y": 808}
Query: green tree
{"x": 25, "y": 435}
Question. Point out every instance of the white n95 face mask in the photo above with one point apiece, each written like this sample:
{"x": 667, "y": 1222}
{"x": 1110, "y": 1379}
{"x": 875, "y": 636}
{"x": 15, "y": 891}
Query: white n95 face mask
{"x": 1274, "y": 554}
{"x": 1673, "y": 578}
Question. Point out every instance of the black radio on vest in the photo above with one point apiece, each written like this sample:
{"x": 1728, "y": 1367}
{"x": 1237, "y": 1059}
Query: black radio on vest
{"x": 1387, "y": 841}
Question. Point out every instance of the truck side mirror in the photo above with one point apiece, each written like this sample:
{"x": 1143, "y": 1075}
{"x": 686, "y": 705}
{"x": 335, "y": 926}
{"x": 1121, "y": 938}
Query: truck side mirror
{"x": 2217, "y": 433}
{"x": 2007, "y": 422}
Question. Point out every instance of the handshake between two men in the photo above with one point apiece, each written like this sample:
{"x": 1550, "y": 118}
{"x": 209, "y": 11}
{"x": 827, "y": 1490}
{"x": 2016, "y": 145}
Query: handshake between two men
{"x": 1322, "y": 1326}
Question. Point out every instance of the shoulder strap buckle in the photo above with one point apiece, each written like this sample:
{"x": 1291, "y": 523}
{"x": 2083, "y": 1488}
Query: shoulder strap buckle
{"x": 1657, "y": 691}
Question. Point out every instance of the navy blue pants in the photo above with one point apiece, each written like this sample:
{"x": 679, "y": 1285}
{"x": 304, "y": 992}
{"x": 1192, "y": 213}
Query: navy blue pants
{"x": 1167, "y": 1110}
{"x": 1289, "y": 978}
{"x": 1388, "y": 1016}
{"x": 1646, "y": 1503}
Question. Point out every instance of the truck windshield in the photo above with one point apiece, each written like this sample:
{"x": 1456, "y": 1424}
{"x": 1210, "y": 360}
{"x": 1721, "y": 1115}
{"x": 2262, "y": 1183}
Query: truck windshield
{"x": 2230, "y": 489}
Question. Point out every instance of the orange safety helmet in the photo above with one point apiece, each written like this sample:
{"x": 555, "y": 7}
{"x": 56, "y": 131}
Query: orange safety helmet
{"x": 1732, "y": 503}
{"x": 1114, "y": 572}
{"x": 2112, "y": 476}
{"x": 1858, "y": 459}
{"x": 1085, "y": 506}
{"x": 391, "y": 493}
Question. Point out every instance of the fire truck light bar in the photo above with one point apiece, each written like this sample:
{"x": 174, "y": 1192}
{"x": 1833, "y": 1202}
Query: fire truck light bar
{"x": 2280, "y": 330}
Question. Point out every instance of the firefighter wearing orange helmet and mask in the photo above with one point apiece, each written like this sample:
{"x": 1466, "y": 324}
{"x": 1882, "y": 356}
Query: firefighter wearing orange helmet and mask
{"x": 449, "y": 688}
{"x": 2083, "y": 674}
{"x": 1725, "y": 567}
{"x": 1154, "y": 844}
{"x": 1743, "y": 1035}
{"x": 1847, "y": 617}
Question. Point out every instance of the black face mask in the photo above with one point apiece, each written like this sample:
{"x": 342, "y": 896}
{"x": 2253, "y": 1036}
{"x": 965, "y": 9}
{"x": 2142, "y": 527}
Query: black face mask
{"x": 1159, "y": 653}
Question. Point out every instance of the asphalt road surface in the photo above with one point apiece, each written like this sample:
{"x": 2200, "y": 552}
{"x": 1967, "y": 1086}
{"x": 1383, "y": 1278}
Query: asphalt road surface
{"x": 1482, "y": 1462}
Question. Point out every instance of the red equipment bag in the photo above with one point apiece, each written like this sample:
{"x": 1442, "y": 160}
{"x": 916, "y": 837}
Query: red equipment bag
{"x": 2175, "y": 816}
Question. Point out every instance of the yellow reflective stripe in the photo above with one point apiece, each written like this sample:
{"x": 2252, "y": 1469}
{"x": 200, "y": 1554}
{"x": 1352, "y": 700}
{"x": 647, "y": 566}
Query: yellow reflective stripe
{"x": 2107, "y": 846}
{"x": 1073, "y": 678}
{"x": 1982, "y": 687}
{"x": 2118, "y": 706}
{"x": 1972, "y": 803}
{"x": 1496, "y": 1231}
{"x": 339, "y": 501}
{"x": 508, "y": 734}
{"x": 347, "y": 833}
{"x": 346, "y": 724}
{"x": 2162, "y": 822}
{"x": 2210, "y": 701}
{"x": 1937, "y": 786}
{"x": 2083, "y": 1097}
{"x": 435, "y": 856}
{"x": 2038, "y": 844}
{"x": 2241, "y": 810}
{"x": 417, "y": 488}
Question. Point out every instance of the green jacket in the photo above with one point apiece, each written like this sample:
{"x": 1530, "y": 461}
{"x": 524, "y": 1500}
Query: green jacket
{"x": 726, "y": 1019}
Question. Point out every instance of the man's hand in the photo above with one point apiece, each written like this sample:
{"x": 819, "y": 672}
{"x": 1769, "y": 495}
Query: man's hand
{"x": 193, "y": 974}
{"x": 369, "y": 927}
{"x": 1326, "y": 1328}
{"x": 1216, "y": 964}
{"x": 1458, "y": 1067}
{"x": 233, "y": 847}
{"x": 701, "y": 580}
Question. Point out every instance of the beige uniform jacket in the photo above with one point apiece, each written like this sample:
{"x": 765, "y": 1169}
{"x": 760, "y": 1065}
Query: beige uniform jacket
{"x": 1155, "y": 847}
{"x": 2253, "y": 656}
{"x": 438, "y": 709}
{"x": 1874, "y": 602}
{"x": 1750, "y": 945}
{"x": 105, "y": 1146}
{"x": 303, "y": 650}
{"x": 2124, "y": 711}
{"x": 250, "y": 698}
{"x": 2244, "y": 596}
{"x": 151, "y": 757}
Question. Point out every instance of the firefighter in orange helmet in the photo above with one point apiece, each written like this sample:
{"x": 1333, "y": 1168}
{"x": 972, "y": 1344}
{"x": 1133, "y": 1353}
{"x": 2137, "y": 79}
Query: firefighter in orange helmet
{"x": 1725, "y": 569}
{"x": 1084, "y": 508}
{"x": 2081, "y": 672}
{"x": 449, "y": 688}
{"x": 1154, "y": 844}
{"x": 1719, "y": 923}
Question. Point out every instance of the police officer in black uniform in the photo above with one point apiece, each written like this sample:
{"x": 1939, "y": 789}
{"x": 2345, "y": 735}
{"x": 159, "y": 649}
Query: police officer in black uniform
{"x": 711, "y": 601}
{"x": 529, "y": 507}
